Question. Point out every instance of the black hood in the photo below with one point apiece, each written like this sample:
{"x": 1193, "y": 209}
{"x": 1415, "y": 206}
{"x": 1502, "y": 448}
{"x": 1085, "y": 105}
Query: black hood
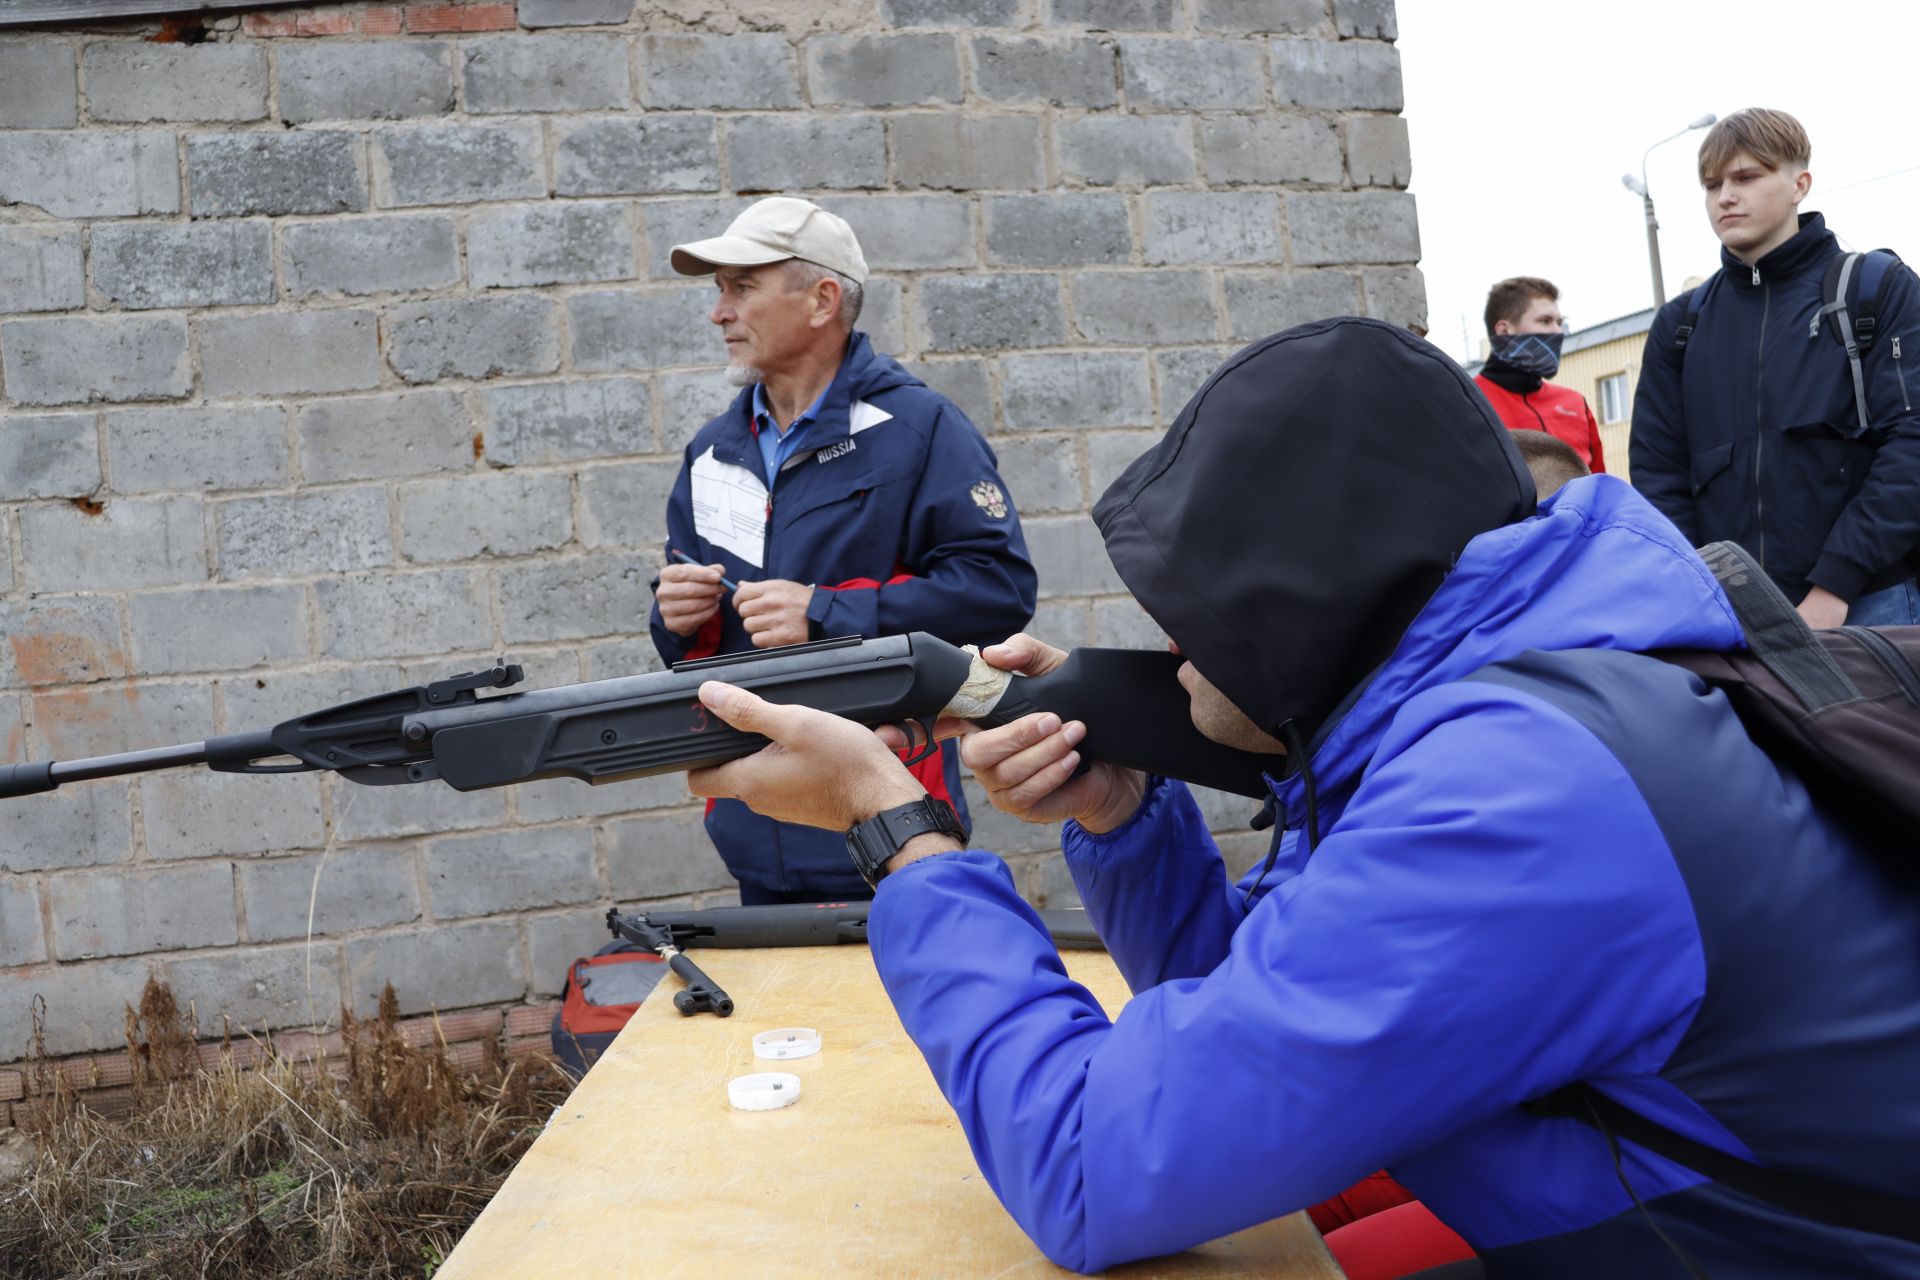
{"x": 1305, "y": 505}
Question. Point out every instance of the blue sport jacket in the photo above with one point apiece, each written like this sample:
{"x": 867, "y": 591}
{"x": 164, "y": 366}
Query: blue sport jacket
{"x": 1545, "y": 858}
{"x": 894, "y": 510}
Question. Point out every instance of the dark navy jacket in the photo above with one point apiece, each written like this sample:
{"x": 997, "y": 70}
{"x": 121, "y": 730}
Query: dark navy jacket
{"x": 894, "y": 510}
{"x": 1545, "y": 858}
{"x": 1752, "y": 435}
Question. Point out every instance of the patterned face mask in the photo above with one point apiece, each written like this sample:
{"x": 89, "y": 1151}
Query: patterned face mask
{"x": 1535, "y": 353}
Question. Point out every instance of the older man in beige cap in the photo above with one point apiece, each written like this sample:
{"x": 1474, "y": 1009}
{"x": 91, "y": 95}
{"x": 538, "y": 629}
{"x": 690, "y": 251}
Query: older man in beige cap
{"x": 837, "y": 495}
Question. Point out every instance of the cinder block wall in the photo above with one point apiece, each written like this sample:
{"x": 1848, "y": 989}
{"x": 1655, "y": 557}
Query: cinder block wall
{"x": 338, "y": 351}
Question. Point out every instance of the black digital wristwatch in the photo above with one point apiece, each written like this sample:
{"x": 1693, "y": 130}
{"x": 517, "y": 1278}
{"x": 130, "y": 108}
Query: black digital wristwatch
{"x": 872, "y": 842}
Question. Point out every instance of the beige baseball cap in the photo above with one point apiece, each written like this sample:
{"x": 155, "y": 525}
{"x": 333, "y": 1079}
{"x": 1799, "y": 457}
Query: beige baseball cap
{"x": 773, "y": 230}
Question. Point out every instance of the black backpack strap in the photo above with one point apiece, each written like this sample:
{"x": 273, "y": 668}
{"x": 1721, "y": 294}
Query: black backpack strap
{"x": 1776, "y": 633}
{"x": 1695, "y": 301}
{"x": 1836, "y": 1204}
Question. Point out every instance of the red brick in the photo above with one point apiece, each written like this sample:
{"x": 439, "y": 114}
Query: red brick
{"x": 529, "y": 1046}
{"x": 13, "y": 1086}
{"x": 303, "y": 1045}
{"x": 382, "y": 22}
{"x": 489, "y": 17}
{"x": 269, "y": 24}
{"x": 433, "y": 17}
{"x": 531, "y": 1019}
{"x": 471, "y": 1024}
{"x": 324, "y": 22}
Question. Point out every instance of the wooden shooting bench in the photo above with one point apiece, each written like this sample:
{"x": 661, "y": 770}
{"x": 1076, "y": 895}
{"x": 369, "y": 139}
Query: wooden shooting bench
{"x": 647, "y": 1170}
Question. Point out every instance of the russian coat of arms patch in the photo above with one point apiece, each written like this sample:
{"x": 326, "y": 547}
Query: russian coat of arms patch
{"x": 987, "y": 496}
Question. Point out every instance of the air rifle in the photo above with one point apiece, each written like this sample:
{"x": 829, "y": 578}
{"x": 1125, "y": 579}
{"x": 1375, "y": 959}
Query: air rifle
{"x": 635, "y": 726}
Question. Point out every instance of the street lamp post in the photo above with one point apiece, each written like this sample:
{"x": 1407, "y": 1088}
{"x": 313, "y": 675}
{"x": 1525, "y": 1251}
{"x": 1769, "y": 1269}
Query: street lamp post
{"x": 1638, "y": 185}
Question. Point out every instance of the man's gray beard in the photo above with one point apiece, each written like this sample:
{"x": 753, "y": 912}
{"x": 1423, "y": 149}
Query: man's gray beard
{"x": 743, "y": 375}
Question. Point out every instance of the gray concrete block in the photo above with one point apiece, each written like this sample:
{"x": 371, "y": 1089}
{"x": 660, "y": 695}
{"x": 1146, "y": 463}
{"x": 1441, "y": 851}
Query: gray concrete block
{"x": 1070, "y": 73}
{"x": 1064, "y": 623}
{"x": 1264, "y": 302}
{"x": 565, "y": 421}
{"x": 671, "y": 222}
{"x": 370, "y": 255}
{"x": 473, "y": 337}
{"x": 130, "y": 542}
{"x": 201, "y": 447}
{"x": 951, "y": 13}
{"x": 259, "y": 988}
{"x": 373, "y": 437}
{"x": 48, "y": 456}
{"x": 447, "y": 966}
{"x": 738, "y": 72}
{"x": 1042, "y": 474}
{"x": 643, "y": 329}
{"x": 1075, "y": 389}
{"x": 508, "y": 514}
{"x": 1144, "y": 308}
{"x": 883, "y": 317}
{"x": 203, "y": 814}
{"x": 373, "y": 80}
{"x": 627, "y": 656}
{"x": 556, "y": 939}
{"x": 1397, "y": 295}
{"x": 349, "y": 889}
{"x": 1123, "y": 624}
{"x": 1352, "y": 226}
{"x": 459, "y": 164}
{"x": 1113, "y": 15}
{"x": 289, "y": 353}
{"x": 1132, "y": 151}
{"x": 570, "y": 243}
{"x": 1378, "y": 154}
{"x": 1270, "y": 150}
{"x": 803, "y": 152}
{"x": 566, "y": 799}
{"x": 625, "y": 505}
{"x": 1057, "y": 230}
{"x": 1263, "y": 17}
{"x": 217, "y": 628}
{"x": 545, "y": 73}
{"x": 908, "y": 233}
{"x": 41, "y": 269}
{"x": 130, "y": 913}
{"x": 966, "y": 382}
{"x": 660, "y": 855}
{"x": 70, "y": 361}
{"x": 1212, "y": 226}
{"x": 576, "y": 596}
{"x": 378, "y": 813}
{"x": 1192, "y": 73}
{"x": 574, "y": 13}
{"x": 963, "y": 313}
{"x": 134, "y": 82}
{"x": 85, "y": 824}
{"x": 1181, "y": 372}
{"x": 387, "y": 615}
{"x": 192, "y": 264}
{"x": 956, "y": 152}
{"x": 23, "y": 940}
{"x": 1004, "y": 834}
{"x": 86, "y": 1006}
{"x": 636, "y": 156}
{"x": 511, "y": 871}
{"x": 688, "y": 401}
{"x": 318, "y": 531}
{"x": 1367, "y": 19}
{"x": 268, "y": 697}
{"x": 90, "y": 175}
{"x": 60, "y": 639}
{"x": 1341, "y": 74}
{"x": 1070, "y": 557}
{"x": 96, "y": 721}
{"x": 37, "y": 85}
{"x": 883, "y": 71}
{"x": 233, "y": 174}
{"x": 1052, "y": 885}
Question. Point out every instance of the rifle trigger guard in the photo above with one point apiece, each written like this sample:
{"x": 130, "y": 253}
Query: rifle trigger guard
{"x": 927, "y": 744}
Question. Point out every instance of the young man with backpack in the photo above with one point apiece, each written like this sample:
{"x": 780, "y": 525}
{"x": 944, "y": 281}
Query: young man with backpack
{"x": 1774, "y": 407}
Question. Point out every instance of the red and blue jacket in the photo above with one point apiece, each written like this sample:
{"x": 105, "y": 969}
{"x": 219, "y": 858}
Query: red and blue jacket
{"x": 895, "y": 512}
{"x": 1547, "y": 858}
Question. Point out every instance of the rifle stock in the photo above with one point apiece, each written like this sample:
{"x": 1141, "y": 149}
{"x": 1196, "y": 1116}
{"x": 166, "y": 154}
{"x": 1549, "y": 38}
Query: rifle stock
{"x": 636, "y": 726}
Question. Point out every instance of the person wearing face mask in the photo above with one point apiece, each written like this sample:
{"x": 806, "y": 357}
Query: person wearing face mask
{"x": 1525, "y": 329}
{"x": 1749, "y": 424}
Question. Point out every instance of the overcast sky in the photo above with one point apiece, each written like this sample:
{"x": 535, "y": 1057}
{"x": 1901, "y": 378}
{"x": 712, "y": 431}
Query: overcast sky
{"x": 1524, "y": 116}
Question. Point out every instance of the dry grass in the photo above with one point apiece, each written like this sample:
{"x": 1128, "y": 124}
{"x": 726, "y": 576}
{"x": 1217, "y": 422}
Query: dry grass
{"x": 357, "y": 1170}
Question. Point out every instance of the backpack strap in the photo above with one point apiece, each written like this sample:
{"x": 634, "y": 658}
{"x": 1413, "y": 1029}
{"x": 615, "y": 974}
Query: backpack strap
{"x": 1776, "y": 633}
{"x": 1695, "y": 301}
{"x": 1836, "y": 1204}
{"x": 1838, "y": 286}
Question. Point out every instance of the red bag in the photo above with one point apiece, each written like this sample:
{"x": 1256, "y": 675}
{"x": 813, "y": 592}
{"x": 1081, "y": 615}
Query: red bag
{"x": 603, "y": 991}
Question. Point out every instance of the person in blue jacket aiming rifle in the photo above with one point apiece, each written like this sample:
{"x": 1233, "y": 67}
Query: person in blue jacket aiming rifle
{"x": 1515, "y": 858}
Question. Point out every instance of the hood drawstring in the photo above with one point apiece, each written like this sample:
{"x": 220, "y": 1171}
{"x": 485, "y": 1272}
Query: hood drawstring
{"x": 1297, "y": 748}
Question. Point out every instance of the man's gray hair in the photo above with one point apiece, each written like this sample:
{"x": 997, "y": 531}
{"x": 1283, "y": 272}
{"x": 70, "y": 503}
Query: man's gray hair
{"x": 801, "y": 274}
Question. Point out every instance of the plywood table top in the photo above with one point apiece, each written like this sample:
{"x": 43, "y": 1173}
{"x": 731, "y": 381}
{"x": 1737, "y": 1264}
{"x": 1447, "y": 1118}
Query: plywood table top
{"x": 646, "y": 1171}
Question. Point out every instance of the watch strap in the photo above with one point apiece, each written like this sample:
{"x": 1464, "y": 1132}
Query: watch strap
{"x": 872, "y": 842}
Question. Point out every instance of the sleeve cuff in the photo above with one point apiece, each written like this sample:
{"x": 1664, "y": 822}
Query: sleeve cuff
{"x": 1078, "y": 842}
{"x": 1839, "y": 575}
